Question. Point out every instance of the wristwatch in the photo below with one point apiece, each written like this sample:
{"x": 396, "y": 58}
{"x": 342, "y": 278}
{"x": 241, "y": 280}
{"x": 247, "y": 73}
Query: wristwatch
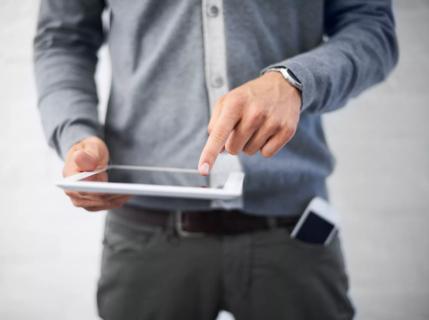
{"x": 287, "y": 74}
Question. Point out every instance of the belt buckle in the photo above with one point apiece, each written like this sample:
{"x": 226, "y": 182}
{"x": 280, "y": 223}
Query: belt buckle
{"x": 179, "y": 228}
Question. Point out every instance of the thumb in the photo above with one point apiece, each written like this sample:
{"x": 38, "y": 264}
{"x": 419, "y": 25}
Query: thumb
{"x": 86, "y": 160}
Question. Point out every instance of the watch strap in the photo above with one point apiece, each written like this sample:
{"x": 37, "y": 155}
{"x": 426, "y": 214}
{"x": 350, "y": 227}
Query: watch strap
{"x": 287, "y": 74}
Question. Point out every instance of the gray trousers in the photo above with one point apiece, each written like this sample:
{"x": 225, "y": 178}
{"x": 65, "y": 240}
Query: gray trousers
{"x": 148, "y": 273}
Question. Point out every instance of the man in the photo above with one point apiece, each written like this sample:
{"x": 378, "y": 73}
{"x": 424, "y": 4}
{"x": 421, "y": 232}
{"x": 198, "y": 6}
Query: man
{"x": 259, "y": 74}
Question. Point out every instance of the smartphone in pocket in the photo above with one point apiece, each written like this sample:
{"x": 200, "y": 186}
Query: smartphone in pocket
{"x": 318, "y": 224}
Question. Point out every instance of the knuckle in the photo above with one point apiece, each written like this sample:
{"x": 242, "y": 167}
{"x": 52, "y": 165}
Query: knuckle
{"x": 290, "y": 131}
{"x": 249, "y": 151}
{"x": 267, "y": 153}
{"x": 238, "y": 134}
{"x": 69, "y": 193}
{"x": 253, "y": 124}
{"x": 251, "y": 147}
{"x": 236, "y": 98}
{"x": 76, "y": 203}
{"x": 231, "y": 149}
{"x": 274, "y": 125}
{"x": 217, "y": 136}
{"x": 256, "y": 117}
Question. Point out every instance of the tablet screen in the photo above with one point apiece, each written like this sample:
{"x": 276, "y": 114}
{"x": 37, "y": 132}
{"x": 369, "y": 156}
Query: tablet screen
{"x": 158, "y": 177}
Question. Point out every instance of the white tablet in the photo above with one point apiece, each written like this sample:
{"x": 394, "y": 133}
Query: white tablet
{"x": 155, "y": 181}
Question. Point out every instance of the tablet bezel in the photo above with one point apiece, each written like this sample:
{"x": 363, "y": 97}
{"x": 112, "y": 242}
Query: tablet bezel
{"x": 232, "y": 188}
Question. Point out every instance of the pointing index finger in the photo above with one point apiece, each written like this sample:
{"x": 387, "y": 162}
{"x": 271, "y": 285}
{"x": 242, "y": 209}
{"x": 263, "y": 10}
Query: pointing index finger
{"x": 217, "y": 138}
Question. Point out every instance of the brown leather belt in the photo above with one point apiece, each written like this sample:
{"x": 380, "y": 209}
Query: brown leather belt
{"x": 197, "y": 223}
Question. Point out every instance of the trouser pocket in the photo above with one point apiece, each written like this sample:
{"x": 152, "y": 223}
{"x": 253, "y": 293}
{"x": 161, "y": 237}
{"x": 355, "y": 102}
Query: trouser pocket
{"x": 122, "y": 237}
{"x": 297, "y": 280}
{"x": 127, "y": 251}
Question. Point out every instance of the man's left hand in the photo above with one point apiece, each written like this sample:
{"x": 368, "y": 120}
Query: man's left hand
{"x": 261, "y": 115}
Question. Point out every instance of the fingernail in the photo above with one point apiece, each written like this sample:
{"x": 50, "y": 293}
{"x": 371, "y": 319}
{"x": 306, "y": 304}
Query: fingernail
{"x": 204, "y": 169}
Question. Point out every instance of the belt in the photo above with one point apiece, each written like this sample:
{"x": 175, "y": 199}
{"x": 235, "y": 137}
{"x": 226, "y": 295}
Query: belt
{"x": 200, "y": 223}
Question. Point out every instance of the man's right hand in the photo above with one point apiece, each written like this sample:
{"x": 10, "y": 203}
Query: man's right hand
{"x": 88, "y": 155}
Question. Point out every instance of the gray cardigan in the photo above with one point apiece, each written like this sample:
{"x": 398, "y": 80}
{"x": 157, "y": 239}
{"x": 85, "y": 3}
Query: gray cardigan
{"x": 172, "y": 59}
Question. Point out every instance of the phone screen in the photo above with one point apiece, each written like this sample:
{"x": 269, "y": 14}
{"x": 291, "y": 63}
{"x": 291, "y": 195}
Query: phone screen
{"x": 315, "y": 229}
{"x": 147, "y": 176}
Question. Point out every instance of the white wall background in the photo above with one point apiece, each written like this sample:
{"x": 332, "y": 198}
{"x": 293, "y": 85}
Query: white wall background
{"x": 49, "y": 251}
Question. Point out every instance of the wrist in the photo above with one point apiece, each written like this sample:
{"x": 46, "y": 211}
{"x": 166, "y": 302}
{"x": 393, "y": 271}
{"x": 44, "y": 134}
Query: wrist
{"x": 285, "y": 86}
